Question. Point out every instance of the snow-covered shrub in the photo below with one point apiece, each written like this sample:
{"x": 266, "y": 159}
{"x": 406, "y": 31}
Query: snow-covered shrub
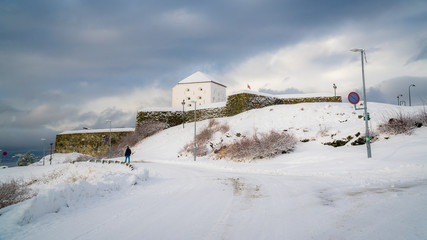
{"x": 203, "y": 138}
{"x": 421, "y": 119}
{"x": 26, "y": 159}
{"x": 402, "y": 123}
{"x": 264, "y": 145}
{"x": 12, "y": 192}
{"x": 339, "y": 142}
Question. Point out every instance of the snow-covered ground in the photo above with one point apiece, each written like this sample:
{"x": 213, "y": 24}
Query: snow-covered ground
{"x": 315, "y": 192}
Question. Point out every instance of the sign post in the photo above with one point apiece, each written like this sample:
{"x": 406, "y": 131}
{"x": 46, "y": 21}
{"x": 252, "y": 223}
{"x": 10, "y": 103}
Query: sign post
{"x": 354, "y": 99}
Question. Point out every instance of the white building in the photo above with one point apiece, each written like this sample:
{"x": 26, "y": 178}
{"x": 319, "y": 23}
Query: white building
{"x": 198, "y": 87}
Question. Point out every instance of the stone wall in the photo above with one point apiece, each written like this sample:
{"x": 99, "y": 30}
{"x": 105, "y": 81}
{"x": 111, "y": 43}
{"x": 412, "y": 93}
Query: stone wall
{"x": 90, "y": 143}
{"x": 236, "y": 103}
{"x": 93, "y": 142}
{"x": 173, "y": 118}
{"x": 243, "y": 102}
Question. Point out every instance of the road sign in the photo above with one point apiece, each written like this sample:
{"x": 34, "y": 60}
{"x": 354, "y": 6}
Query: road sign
{"x": 107, "y": 139}
{"x": 353, "y": 98}
{"x": 4, "y": 153}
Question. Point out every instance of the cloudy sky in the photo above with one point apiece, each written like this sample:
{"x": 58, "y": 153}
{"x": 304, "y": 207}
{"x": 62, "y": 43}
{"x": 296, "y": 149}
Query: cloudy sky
{"x": 70, "y": 64}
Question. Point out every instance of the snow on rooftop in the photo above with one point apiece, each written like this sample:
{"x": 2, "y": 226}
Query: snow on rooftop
{"x": 198, "y": 77}
{"x": 98, "y": 130}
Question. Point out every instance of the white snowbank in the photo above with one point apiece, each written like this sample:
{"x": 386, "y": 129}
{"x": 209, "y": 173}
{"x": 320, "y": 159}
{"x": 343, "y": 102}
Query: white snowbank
{"x": 63, "y": 186}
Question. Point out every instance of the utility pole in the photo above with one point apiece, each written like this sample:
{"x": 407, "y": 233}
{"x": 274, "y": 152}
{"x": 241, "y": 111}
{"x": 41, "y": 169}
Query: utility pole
{"x": 365, "y": 105}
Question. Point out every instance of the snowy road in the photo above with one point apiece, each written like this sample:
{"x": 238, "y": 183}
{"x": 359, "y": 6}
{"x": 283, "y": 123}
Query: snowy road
{"x": 191, "y": 202}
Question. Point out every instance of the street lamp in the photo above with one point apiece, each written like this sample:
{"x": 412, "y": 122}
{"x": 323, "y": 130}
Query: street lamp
{"x": 195, "y": 119}
{"x": 335, "y": 91}
{"x": 109, "y": 140}
{"x": 51, "y": 151}
{"x": 183, "y": 113}
{"x": 409, "y": 88}
{"x": 365, "y": 106}
{"x": 398, "y": 100}
{"x": 43, "y": 141}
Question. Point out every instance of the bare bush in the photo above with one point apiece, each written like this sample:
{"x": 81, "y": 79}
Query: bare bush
{"x": 224, "y": 128}
{"x": 421, "y": 119}
{"x": 203, "y": 138}
{"x": 265, "y": 145}
{"x": 323, "y": 131}
{"x": 143, "y": 130}
{"x": 13, "y": 192}
{"x": 402, "y": 123}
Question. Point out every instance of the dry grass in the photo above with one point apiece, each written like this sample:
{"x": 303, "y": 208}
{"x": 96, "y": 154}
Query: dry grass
{"x": 13, "y": 191}
{"x": 401, "y": 123}
{"x": 323, "y": 131}
{"x": 203, "y": 138}
{"x": 265, "y": 145}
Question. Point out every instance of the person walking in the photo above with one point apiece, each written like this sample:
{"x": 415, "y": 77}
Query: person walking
{"x": 127, "y": 154}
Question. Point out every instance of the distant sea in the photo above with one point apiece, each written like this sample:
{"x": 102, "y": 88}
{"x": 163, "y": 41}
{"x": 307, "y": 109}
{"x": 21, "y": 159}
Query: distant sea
{"x": 13, "y": 156}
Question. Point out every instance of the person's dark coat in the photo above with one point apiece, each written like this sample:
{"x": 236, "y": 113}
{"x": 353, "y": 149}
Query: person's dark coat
{"x": 128, "y": 152}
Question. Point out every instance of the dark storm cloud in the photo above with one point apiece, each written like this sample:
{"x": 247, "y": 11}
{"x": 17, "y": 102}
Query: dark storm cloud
{"x": 111, "y": 40}
{"x": 58, "y": 56}
{"x": 388, "y": 90}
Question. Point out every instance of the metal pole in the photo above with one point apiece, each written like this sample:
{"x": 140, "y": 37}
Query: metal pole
{"x": 195, "y": 119}
{"x": 368, "y": 140}
{"x": 412, "y": 85}
{"x": 51, "y": 149}
{"x": 109, "y": 140}
{"x": 183, "y": 113}
{"x": 44, "y": 153}
{"x": 335, "y": 91}
{"x": 398, "y": 99}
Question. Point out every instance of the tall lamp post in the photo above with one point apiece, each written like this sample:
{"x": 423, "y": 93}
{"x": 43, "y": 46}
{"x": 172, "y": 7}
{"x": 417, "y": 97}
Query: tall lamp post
{"x": 43, "y": 141}
{"x": 335, "y": 91}
{"x": 195, "y": 119}
{"x": 51, "y": 151}
{"x": 109, "y": 140}
{"x": 365, "y": 106}
{"x": 183, "y": 113}
{"x": 412, "y": 85}
{"x": 398, "y": 99}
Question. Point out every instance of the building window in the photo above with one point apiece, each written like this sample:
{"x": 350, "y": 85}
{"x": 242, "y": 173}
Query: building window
{"x": 200, "y": 89}
{"x": 188, "y": 98}
{"x": 199, "y": 97}
{"x": 187, "y": 90}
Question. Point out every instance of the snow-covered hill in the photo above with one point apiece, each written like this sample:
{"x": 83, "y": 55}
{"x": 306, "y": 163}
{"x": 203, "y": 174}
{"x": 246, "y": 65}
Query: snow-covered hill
{"x": 316, "y": 122}
{"x": 315, "y": 192}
